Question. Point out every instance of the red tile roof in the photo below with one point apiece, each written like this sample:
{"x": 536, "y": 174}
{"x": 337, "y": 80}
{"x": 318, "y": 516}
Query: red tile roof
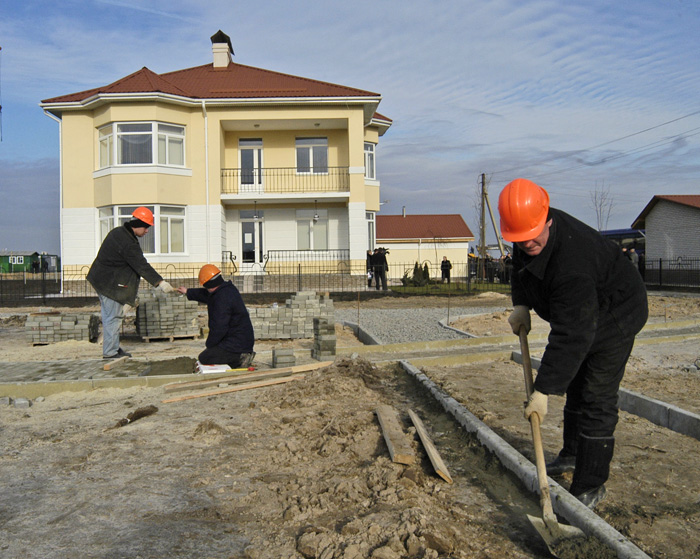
{"x": 236, "y": 81}
{"x": 442, "y": 226}
{"x": 692, "y": 200}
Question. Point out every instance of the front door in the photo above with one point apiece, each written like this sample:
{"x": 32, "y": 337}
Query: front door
{"x": 251, "y": 165}
{"x": 252, "y": 244}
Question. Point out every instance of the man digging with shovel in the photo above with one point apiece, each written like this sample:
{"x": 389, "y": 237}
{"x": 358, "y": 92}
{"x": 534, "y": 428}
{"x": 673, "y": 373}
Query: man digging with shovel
{"x": 595, "y": 303}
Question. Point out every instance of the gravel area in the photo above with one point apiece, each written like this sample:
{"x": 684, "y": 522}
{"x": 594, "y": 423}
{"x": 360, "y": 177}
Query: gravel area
{"x": 394, "y": 326}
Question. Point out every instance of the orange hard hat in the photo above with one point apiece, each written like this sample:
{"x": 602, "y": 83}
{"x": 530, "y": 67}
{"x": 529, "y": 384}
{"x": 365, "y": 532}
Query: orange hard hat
{"x": 208, "y": 272}
{"x": 523, "y": 207}
{"x": 144, "y": 214}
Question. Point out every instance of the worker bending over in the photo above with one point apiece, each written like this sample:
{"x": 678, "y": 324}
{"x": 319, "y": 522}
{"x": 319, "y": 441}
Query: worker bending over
{"x": 595, "y": 303}
{"x": 115, "y": 274}
{"x": 231, "y": 337}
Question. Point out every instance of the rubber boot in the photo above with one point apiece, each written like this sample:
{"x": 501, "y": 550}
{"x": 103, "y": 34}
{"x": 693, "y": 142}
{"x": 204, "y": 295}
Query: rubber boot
{"x": 566, "y": 461}
{"x": 592, "y": 469}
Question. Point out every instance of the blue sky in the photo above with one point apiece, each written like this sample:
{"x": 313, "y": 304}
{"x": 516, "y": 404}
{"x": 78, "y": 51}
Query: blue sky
{"x": 577, "y": 95}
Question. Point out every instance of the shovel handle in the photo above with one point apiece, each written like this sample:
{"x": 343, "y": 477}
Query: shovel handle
{"x": 545, "y": 498}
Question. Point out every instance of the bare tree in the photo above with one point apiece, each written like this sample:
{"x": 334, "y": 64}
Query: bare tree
{"x": 603, "y": 203}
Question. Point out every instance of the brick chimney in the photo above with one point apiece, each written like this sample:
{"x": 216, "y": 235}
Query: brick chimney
{"x": 221, "y": 49}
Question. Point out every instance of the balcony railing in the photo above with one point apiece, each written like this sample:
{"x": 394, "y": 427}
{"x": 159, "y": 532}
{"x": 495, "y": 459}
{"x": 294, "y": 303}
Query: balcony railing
{"x": 283, "y": 180}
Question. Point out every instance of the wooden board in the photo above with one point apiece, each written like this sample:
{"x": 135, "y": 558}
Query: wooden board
{"x": 179, "y": 386}
{"x": 114, "y": 362}
{"x": 235, "y": 389}
{"x": 433, "y": 454}
{"x": 400, "y": 448}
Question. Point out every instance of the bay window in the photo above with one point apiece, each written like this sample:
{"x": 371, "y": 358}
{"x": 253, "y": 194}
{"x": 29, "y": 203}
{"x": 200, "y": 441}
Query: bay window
{"x": 168, "y": 236}
{"x": 141, "y": 143}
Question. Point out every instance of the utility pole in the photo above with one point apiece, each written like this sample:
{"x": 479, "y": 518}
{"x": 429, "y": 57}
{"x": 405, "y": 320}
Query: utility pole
{"x": 482, "y": 229}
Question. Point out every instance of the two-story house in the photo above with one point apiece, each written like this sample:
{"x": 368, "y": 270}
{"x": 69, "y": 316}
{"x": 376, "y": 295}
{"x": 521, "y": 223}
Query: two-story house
{"x": 238, "y": 164}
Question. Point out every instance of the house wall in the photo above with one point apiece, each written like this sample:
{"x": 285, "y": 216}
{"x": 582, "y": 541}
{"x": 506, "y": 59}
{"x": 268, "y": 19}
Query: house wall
{"x": 672, "y": 231}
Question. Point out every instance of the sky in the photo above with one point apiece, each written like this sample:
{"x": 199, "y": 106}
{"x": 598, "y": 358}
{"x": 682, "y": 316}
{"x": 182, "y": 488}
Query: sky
{"x": 588, "y": 98}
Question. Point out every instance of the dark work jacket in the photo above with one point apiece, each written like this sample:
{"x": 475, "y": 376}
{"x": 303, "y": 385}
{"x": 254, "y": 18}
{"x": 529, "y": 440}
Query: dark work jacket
{"x": 582, "y": 284}
{"x": 120, "y": 265}
{"x": 230, "y": 327}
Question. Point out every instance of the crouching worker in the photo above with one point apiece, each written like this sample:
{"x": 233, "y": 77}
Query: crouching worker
{"x": 231, "y": 337}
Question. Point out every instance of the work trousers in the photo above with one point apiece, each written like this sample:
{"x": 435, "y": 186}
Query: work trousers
{"x": 594, "y": 391}
{"x": 218, "y": 356}
{"x": 112, "y": 315}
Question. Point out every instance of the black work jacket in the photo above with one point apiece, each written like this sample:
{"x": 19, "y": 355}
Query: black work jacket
{"x": 120, "y": 265}
{"x": 230, "y": 327}
{"x": 582, "y": 284}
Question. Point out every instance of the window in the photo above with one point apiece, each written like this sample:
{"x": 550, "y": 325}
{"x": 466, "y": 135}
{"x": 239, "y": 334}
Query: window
{"x": 369, "y": 216}
{"x": 370, "y": 170}
{"x": 16, "y": 259}
{"x": 135, "y": 143}
{"x": 168, "y": 236}
{"x": 251, "y": 163}
{"x": 312, "y": 229}
{"x": 312, "y": 155}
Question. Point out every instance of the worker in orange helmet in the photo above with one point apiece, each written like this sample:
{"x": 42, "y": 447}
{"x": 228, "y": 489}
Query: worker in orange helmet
{"x": 231, "y": 337}
{"x": 595, "y": 303}
{"x": 115, "y": 274}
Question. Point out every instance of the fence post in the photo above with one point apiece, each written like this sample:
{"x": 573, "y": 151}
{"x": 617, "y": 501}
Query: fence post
{"x": 661, "y": 282}
{"x": 299, "y": 277}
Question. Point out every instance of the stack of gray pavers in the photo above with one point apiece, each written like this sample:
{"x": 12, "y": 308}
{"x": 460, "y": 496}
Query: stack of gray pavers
{"x": 283, "y": 357}
{"x": 324, "y": 339}
{"x": 294, "y": 320}
{"x": 166, "y": 316}
{"x": 52, "y": 326}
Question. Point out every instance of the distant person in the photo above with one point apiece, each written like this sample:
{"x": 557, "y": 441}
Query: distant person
{"x": 370, "y": 271}
{"x": 379, "y": 268}
{"x": 634, "y": 257}
{"x": 115, "y": 275}
{"x": 445, "y": 267}
{"x": 582, "y": 284}
{"x": 231, "y": 337}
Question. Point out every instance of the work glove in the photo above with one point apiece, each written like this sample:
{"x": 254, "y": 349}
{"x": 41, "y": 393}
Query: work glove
{"x": 519, "y": 317}
{"x": 165, "y": 287}
{"x": 536, "y": 404}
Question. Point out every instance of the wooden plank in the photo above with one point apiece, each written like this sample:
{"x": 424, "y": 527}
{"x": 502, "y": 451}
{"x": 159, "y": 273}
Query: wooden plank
{"x": 433, "y": 454}
{"x": 400, "y": 448}
{"x": 173, "y": 387}
{"x": 235, "y": 389}
{"x": 244, "y": 377}
{"x": 113, "y": 362}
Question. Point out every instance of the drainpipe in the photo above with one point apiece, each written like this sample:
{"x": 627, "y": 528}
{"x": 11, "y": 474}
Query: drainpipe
{"x": 60, "y": 189}
{"x": 206, "y": 177}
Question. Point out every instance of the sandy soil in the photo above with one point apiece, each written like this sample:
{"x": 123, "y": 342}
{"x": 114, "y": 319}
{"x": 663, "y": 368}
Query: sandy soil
{"x": 302, "y": 470}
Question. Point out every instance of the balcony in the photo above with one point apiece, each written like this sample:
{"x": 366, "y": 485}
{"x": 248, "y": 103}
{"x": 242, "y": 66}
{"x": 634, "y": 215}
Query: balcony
{"x": 283, "y": 180}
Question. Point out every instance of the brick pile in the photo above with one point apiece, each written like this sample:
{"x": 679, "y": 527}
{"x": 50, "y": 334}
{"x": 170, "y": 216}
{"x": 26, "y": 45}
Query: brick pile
{"x": 324, "y": 339}
{"x": 295, "y": 319}
{"x": 166, "y": 316}
{"x": 52, "y": 326}
{"x": 283, "y": 357}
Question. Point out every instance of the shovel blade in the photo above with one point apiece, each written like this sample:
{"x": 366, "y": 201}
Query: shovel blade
{"x": 555, "y": 534}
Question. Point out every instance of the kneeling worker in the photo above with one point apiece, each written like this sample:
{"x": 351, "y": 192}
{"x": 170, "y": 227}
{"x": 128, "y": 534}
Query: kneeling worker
{"x": 231, "y": 336}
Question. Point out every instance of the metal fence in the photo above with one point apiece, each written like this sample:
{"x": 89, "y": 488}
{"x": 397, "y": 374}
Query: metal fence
{"x": 321, "y": 271}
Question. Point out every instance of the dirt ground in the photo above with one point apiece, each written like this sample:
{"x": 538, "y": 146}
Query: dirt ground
{"x": 302, "y": 470}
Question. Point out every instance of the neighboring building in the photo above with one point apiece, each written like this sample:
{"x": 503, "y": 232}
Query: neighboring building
{"x": 672, "y": 227}
{"x": 12, "y": 261}
{"x": 237, "y": 163}
{"x": 421, "y": 238}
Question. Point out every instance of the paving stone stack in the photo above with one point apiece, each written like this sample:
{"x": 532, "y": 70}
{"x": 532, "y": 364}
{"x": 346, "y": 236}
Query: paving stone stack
{"x": 166, "y": 316}
{"x": 324, "y": 339}
{"x": 52, "y": 326}
{"x": 283, "y": 357}
{"x": 295, "y": 319}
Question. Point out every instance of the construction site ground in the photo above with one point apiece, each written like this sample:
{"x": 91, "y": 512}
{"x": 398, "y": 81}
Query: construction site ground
{"x": 301, "y": 469}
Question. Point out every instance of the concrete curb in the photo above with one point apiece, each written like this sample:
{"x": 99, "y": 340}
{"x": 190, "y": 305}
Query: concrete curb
{"x": 362, "y": 335}
{"x": 564, "y": 504}
{"x": 658, "y": 412}
{"x": 445, "y": 325}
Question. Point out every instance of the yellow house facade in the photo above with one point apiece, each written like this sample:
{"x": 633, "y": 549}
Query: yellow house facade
{"x": 240, "y": 166}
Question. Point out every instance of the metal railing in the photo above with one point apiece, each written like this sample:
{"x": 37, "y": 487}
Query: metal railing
{"x": 332, "y": 271}
{"x": 282, "y": 180}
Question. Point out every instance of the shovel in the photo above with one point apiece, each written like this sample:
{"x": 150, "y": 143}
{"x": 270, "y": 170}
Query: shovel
{"x": 553, "y": 533}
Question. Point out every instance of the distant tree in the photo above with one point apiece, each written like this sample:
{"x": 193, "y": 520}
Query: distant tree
{"x": 603, "y": 203}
